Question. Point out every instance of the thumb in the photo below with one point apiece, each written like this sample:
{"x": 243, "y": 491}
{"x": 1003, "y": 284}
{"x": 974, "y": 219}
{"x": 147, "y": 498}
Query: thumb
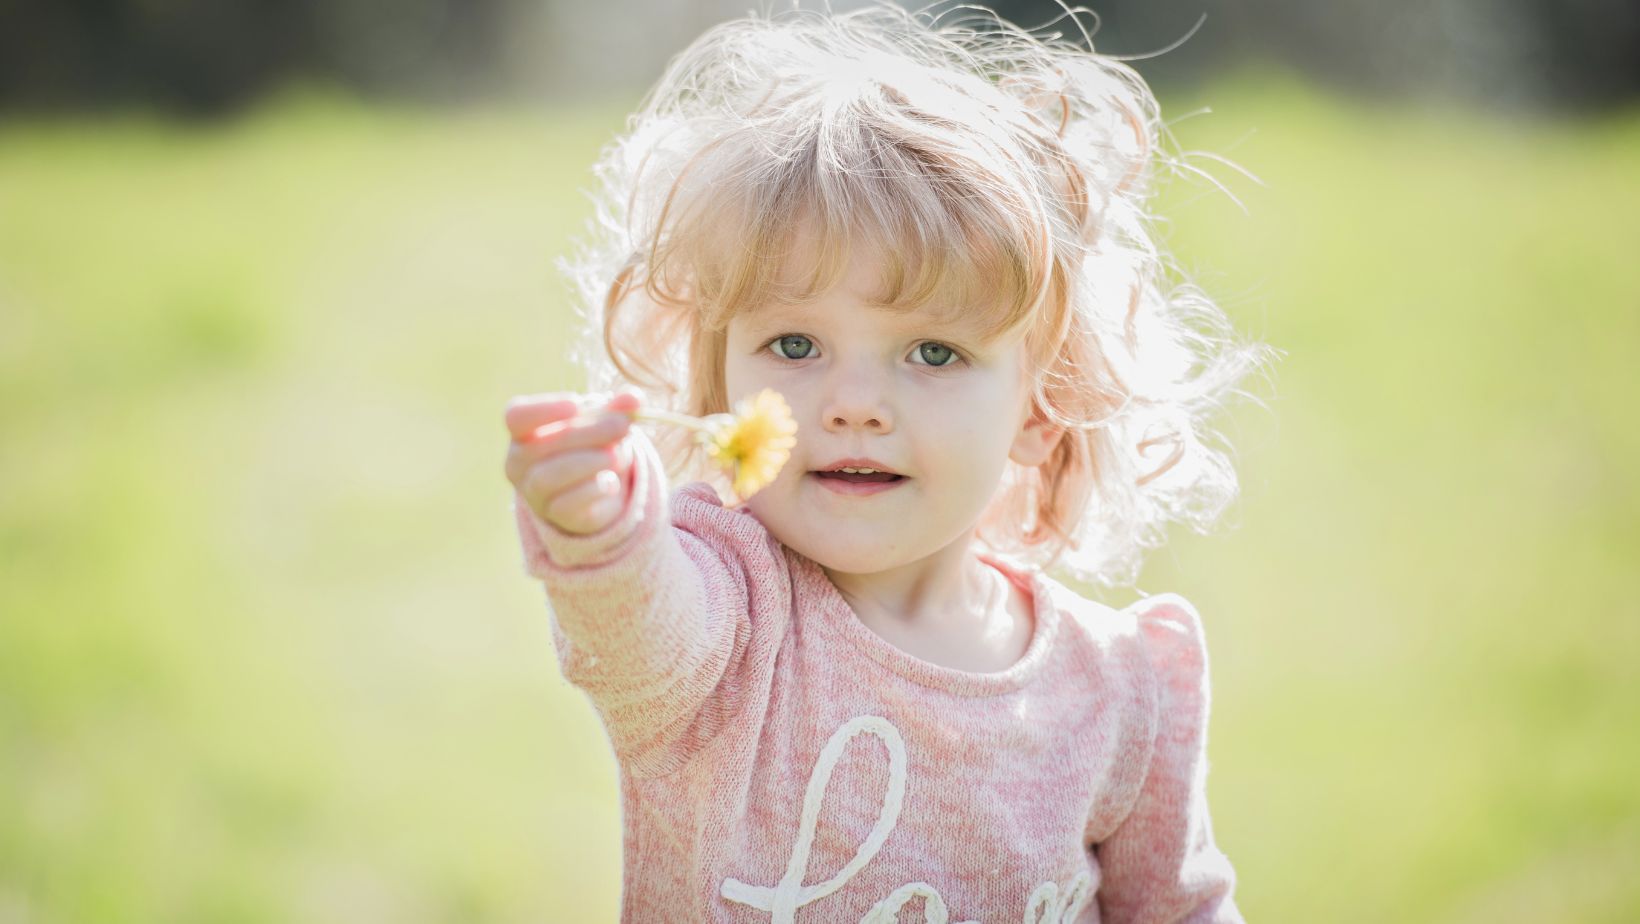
{"x": 627, "y": 400}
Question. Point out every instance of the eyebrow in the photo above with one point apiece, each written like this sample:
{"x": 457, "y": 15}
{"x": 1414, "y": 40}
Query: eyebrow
{"x": 783, "y": 315}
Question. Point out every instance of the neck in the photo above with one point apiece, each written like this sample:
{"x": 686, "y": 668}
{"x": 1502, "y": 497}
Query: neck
{"x": 951, "y": 587}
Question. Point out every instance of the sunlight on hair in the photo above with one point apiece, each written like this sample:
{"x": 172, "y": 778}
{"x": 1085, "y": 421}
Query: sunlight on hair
{"x": 1004, "y": 179}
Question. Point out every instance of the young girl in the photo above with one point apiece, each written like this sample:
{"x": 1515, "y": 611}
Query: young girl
{"x": 858, "y": 691}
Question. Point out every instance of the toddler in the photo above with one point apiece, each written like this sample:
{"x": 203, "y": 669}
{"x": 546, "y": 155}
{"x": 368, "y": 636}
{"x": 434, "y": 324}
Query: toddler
{"x": 857, "y": 692}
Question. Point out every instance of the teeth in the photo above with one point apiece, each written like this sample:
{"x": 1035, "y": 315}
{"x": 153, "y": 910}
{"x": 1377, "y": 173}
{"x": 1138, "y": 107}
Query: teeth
{"x": 860, "y": 471}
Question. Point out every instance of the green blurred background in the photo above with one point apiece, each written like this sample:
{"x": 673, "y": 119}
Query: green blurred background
{"x": 268, "y": 652}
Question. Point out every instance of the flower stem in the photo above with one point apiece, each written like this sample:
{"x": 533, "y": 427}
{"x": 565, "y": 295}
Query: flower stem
{"x": 682, "y": 420}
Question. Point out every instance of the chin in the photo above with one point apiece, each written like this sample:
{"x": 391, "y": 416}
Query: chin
{"x": 852, "y": 564}
{"x": 836, "y": 553}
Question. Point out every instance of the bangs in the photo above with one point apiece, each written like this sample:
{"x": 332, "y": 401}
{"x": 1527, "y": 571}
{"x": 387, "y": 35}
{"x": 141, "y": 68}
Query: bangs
{"x": 744, "y": 228}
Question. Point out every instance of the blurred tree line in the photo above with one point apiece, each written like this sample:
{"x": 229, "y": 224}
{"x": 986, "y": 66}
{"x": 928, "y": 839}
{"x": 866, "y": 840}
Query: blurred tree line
{"x": 211, "y": 56}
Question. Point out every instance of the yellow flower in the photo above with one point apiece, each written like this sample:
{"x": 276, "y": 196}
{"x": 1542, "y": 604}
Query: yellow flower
{"x": 750, "y": 445}
{"x": 755, "y": 442}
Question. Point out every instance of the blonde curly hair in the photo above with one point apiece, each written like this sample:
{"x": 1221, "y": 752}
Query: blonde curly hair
{"x": 995, "y": 171}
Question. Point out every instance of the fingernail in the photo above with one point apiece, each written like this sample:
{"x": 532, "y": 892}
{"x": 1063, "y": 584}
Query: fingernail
{"x": 609, "y": 482}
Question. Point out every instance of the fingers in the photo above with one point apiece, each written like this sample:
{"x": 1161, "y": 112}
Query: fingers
{"x": 584, "y": 432}
{"x": 528, "y": 413}
{"x": 577, "y": 491}
{"x": 625, "y": 401}
{"x": 570, "y": 464}
{"x": 588, "y": 506}
{"x": 540, "y": 480}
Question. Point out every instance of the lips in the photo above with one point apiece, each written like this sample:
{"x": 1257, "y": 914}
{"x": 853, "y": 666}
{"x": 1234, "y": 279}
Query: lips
{"x": 868, "y": 476}
{"x": 846, "y": 485}
{"x": 880, "y": 469}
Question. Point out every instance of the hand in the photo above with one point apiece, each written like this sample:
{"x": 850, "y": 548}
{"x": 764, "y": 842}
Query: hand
{"x": 573, "y": 472}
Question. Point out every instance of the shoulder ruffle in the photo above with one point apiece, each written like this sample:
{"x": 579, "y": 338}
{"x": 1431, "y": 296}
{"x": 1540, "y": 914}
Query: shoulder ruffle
{"x": 1170, "y": 630}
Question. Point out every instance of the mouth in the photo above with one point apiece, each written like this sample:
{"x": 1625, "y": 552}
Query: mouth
{"x": 857, "y": 470}
{"x": 856, "y": 478}
{"x": 859, "y": 477}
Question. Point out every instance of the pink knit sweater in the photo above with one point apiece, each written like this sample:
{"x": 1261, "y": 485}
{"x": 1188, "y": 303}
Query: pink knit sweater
{"x": 781, "y": 762}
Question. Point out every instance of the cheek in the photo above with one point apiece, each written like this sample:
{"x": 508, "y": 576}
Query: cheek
{"x": 744, "y": 375}
{"x": 734, "y": 374}
{"x": 970, "y": 448}
{"x": 975, "y": 417}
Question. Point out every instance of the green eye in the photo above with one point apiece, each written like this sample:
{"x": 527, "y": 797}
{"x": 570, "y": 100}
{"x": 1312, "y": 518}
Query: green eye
{"x": 801, "y": 345}
{"x": 936, "y": 354}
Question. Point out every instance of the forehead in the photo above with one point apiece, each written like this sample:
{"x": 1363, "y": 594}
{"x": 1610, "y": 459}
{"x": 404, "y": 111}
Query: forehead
{"x": 864, "y": 285}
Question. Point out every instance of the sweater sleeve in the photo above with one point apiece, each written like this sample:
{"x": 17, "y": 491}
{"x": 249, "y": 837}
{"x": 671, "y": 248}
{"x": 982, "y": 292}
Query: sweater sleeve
{"x": 649, "y": 619}
{"x": 1161, "y": 863}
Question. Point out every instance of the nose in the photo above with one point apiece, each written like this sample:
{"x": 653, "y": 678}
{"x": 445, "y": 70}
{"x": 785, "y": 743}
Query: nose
{"x": 857, "y": 402}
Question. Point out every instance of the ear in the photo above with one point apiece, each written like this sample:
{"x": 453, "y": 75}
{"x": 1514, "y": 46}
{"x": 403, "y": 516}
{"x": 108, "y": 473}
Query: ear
{"x": 1035, "y": 441}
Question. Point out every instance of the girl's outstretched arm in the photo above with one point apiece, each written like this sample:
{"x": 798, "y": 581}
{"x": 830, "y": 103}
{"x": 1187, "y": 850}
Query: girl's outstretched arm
{"x": 1161, "y": 864}
{"x": 653, "y": 619}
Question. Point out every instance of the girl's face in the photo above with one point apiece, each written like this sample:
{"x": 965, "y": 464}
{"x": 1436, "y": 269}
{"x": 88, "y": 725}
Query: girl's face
{"x": 922, "y": 398}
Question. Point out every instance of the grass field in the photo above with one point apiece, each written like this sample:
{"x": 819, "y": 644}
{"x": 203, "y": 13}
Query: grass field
{"x": 268, "y": 654}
